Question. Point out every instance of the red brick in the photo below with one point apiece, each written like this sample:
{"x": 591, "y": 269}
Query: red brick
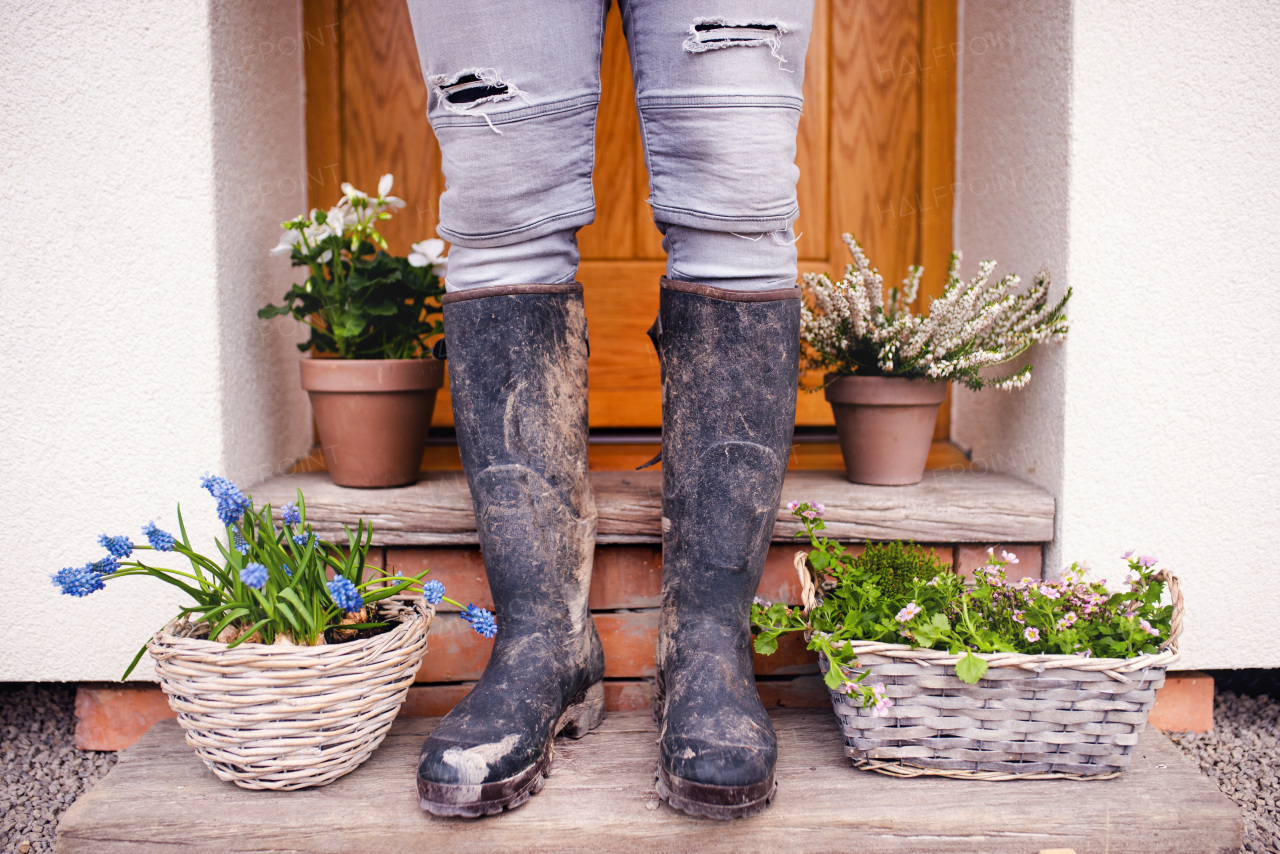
{"x": 626, "y": 577}
{"x": 460, "y": 570}
{"x": 802, "y": 692}
{"x": 433, "y": 701}
{"x": 970, "y": 557}
{"x": 630, "y": 695}
{"x": 791, "y": 658}
{"x": 112, "y": 718}
{"x": 623, "y": 576}
{"x": 455, "y": 653}
{"x": 1184, "y": 703}
{"x": 630, "y": 643}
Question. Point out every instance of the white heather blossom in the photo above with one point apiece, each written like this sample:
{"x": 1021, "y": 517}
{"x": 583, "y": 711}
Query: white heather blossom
{"x": 850, "y": 327}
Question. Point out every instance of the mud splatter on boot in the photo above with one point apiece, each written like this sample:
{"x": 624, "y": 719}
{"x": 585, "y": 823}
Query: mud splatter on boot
{"x": 518, "y": 375}
{"x": 730, "y": 363}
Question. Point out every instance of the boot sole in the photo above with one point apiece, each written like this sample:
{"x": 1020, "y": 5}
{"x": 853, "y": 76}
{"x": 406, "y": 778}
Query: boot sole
{"x": 585, "y": 713}
{"x": 718, "y": 802}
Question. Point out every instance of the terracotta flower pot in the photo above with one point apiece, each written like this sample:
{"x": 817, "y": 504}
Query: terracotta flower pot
{"x": 885, "y": 426}
{"x": 373, "y": 416}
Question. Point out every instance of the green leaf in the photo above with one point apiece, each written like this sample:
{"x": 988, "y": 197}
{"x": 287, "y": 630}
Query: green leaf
{"x": 926, "y": 634}
{"x": 971, "y": 668}
{"x": 833, "y": 678}
{"x": 134, "y": 663}
{"x": 819, "y": 560}
{"x": 227, "y": 620}
{"x": 292, "y": 597}
{"x": 767, "y": 643}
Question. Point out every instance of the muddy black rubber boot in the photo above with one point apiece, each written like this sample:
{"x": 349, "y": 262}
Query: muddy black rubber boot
{"x": 730, "y": 363}
{"x": 517, "y": 362}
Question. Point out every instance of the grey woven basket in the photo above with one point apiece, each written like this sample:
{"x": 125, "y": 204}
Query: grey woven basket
{"x": 289, "y": 717}
{"x": 1029, "y": 717}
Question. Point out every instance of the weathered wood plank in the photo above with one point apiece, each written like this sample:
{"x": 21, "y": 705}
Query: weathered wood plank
{"x": 946, "y": 507}
{"x": 601, "y": 798}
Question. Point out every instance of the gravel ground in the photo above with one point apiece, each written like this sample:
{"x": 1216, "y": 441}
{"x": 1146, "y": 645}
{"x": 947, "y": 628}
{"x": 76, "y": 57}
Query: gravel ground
{"x": 1242, "y": 755}
{"x": 41, "y": 772}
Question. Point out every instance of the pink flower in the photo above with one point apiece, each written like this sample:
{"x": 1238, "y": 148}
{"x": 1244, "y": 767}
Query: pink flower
{"x": 909, "y": 613}
{"x": 1048, "y": 591}
{"x": 793, "y": 506}
{"x": 1017, "y": 616}
{"x": 1146, "y": 627}
{"x": 1147, "y": 560}
{"x": 1127, "y": 555}
{"x": 809, "y": 514}
{"x": 1009, "y": 557}
{"x": 1032, "y": 634}
{"x": 882, "y": 704}
{"x": 819, "y": 508}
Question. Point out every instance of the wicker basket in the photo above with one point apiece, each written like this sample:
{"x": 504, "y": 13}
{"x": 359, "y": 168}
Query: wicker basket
{"x": 288, "y": 717}
{"x": 1029, "y": 717}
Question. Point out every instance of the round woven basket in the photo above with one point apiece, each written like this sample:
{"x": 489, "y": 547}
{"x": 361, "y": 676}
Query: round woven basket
{"x": 1029, "y": 717}
{"x": 288, "y": 717}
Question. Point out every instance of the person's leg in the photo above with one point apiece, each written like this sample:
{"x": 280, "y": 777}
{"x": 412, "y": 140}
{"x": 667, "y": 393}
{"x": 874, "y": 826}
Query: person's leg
{"x": 718, "y": 85}
{"x": 514, "y": 86}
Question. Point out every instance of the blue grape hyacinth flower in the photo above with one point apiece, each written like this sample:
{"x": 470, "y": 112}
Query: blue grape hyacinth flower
{"x": 289, "y": 514}
{"x": 231, "y": 501}
{"x": 481, "y": 620}
{"x": 78, "y": 580}
{"x": 254, "y": 575}
{"x": 159, "y": 540}
{"x": 240, "y": 545}
{"x": 104, "y": 566}
{"x": 301, "y": 539}
{"x": 119, "y": 547}
{"x": 345, "y": 595}
{"x": 433, "y": 592}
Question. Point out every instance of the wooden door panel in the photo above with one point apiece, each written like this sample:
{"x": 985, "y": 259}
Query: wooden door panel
{"x": 875, "y": 150}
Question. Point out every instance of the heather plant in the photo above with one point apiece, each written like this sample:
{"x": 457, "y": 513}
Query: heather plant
{"x": 896, "y": 593}
{"x": 849, "y": 327}
{"x": 360, "y": 301}
{"x": 272, "y": 582}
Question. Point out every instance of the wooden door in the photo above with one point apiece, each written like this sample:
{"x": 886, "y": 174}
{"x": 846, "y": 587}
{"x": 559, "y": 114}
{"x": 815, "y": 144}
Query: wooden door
{"x": 876, "y": 156}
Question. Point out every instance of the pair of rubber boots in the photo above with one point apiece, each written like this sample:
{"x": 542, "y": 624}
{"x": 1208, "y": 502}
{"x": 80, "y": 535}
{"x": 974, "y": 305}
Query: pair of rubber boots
{"x": 517, "y": 362}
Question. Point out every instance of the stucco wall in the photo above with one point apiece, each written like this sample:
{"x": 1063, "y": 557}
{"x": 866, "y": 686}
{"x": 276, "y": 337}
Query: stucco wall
{"x": 148, "y": 152}
{"x": 1168, "y": 401}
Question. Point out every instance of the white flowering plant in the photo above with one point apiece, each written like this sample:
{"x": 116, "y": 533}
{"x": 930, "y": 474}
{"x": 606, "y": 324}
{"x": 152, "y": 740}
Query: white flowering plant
{"x": 849, "y": 327}
{"x": 896, "y": 593}
{"x": 272, "y": 583}
{"x": 360, "y": 301}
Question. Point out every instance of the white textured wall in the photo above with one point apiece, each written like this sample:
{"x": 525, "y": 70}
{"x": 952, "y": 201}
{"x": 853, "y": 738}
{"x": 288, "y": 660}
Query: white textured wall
{"x": 1170, "y": 405}
{"x": 148, "y": 152}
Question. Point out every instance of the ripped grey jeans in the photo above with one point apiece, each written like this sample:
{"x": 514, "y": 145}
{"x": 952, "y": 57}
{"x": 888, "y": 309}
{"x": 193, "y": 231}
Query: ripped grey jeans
{"x": 513, "y": 90}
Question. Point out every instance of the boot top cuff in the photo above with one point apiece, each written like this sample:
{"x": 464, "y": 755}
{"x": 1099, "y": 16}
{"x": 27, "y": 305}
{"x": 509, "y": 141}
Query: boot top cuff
{"x": 771, "y": 295}
{"x": 511, "y": 290}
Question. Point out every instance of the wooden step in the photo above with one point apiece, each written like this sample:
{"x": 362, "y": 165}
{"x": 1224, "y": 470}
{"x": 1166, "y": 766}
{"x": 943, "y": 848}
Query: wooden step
{"x": 601, "y": 798}
{"x": 946, "y": 507}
